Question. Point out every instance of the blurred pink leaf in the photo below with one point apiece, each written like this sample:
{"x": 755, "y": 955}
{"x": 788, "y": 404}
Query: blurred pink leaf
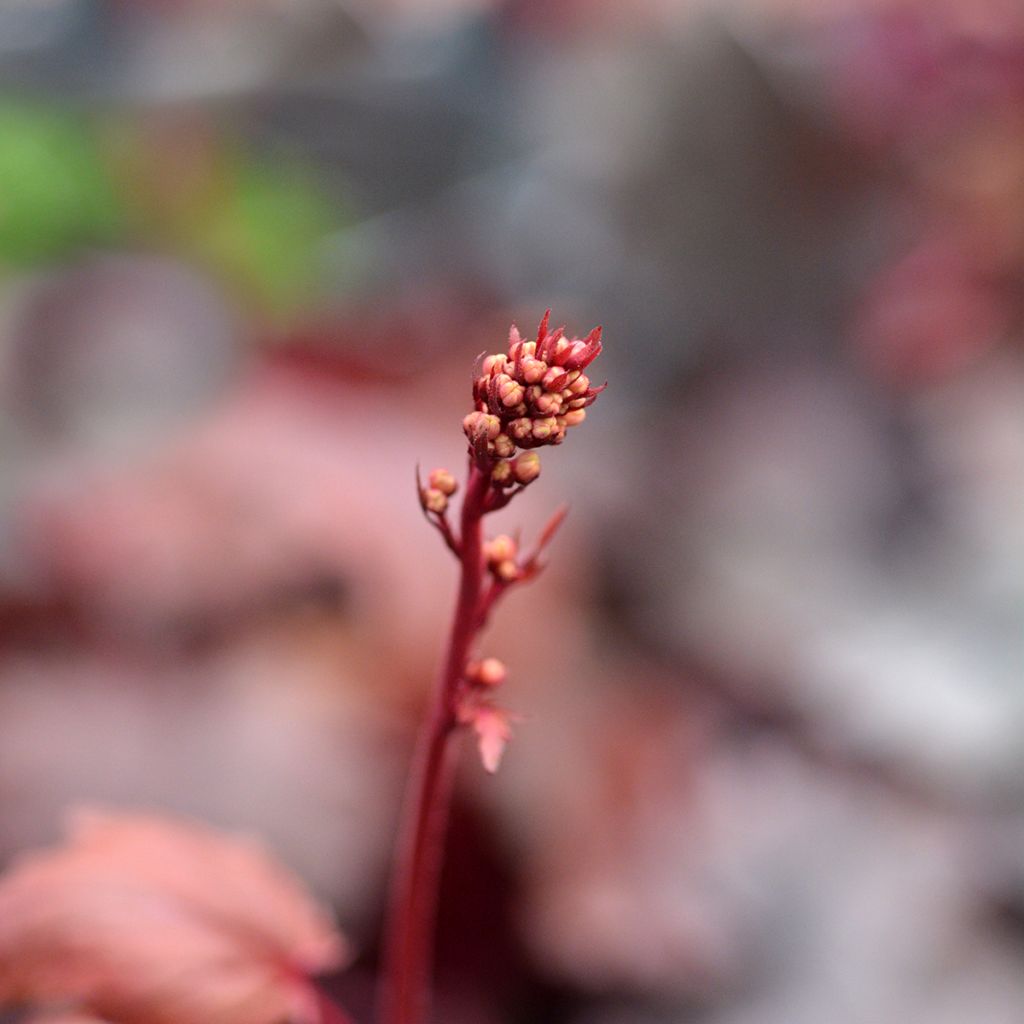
{"x": 143, "y": 920}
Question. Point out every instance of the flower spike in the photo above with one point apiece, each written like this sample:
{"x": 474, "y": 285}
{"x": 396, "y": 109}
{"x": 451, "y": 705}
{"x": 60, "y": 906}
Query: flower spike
{"x": 526, "y": 398}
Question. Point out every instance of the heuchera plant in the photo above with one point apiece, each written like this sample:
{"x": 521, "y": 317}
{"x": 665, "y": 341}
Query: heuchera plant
{"x": 143, "y": 920}
{"x": 523, "y": 400}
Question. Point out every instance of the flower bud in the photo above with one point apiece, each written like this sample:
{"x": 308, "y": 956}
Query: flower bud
{"x": 526, "y": 468}
{"x": 562, "y": 349}
{"x": 507, "y": 571}
{"x": 476, "y": 422}
{"x": 434, "y": 500}
{"x": 490, "y": 672}
{"x": 510, "y": 391}
{"x": 533, "y": 370}
{"x": 494, "y": 364}
{"x": 504, "y": 446}
{"x": 577, "y": 351}
{"x": 441, "y": 480}
{"x": 501, "y": 474}
{"x": 520, "y": 429}
{"x": 574, "y": 417}
{"x": 542, "y": 429}
{"x": 554, "y": 378}
{"x": 547, "y": 403}
{"x": 501, "y": 549}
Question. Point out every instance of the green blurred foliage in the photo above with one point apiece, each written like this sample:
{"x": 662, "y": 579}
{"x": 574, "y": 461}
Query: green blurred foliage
{"x": 266, "y": 232}
{"x": 55, "y": 192}
{"x": 63, "y": 186}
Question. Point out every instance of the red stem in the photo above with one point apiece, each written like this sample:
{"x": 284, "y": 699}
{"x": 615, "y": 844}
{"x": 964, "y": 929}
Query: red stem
{"x": 408, "y": 944}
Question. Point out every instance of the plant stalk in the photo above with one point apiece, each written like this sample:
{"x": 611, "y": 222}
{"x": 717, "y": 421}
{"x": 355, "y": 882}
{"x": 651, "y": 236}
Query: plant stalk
{"x": 409, "y": 932}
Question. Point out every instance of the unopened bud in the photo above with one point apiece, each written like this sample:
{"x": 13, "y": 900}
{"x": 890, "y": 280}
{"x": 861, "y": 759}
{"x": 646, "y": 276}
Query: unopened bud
{"x": 533, "y": 370}
{"x": 501, "y": 549}
{"x": 520, "y": 429}
{"x": 577, "y": 350}
{"x": 491, "y": 672}
{"x": 554, "y": 378}
{"x": 510, "y": 391}
{"x": 574, "y": 417}
{"x": 441, "y": 480}
{"x": 501, "y": 474}
{"x": 579, "y": 384}
{"x": 527, "y": 467}
{"x": 504, "y": 446}
{"x": 543, "y": 428}
{"x": 434, "y": 500}
{"x": 477, "y": 422}
{"x": 562, "y": 350}
{"x": 494, "y": 364}
{"x": 548, "y": 403}
{"x": 507, "y": 571}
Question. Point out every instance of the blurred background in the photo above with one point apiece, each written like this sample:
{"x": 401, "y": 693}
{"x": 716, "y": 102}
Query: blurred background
{"x": 771, "y": 770}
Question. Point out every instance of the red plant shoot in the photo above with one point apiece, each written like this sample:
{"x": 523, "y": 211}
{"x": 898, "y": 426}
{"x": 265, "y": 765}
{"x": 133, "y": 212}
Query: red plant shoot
{"x": 523, "y": 400}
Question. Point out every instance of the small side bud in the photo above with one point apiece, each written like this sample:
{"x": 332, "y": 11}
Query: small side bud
{"x": 489, "y": 672}
{"x": 574, "y": 417}
{"x": 443, "y": 481}
{"x": 526, "y": 468}
{"x": 507, "y": 571}
{"x": 501, "y": 474}
{"x": 492, "y": 672}
{"x": 501, "y": 549}
{"x": 434, "y": 500}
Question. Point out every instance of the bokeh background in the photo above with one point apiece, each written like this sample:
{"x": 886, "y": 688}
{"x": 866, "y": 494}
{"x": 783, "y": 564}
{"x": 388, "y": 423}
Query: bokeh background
{"x": 771, "y": 768}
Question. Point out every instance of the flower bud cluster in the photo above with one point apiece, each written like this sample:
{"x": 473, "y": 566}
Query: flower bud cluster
{"x": 531, "y": 397}
{"x": 440, "y": 487}
{"x": 501, "y": 554}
